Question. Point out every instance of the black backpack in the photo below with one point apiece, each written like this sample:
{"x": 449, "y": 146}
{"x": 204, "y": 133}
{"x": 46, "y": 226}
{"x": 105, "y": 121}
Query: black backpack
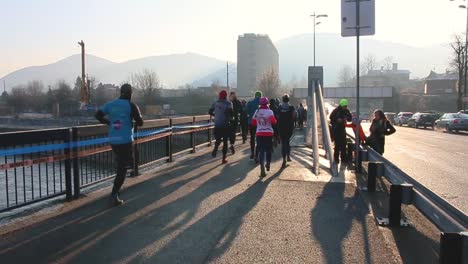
{"x": 286, "y": 116}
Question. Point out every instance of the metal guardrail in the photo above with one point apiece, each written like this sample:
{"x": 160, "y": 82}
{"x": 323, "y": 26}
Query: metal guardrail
{"x": 444, "y": 215}
{"x": 452, "y": 222}
{"x": 42, "y": 164}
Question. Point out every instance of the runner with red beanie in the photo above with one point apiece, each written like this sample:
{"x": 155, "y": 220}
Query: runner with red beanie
{"x": 264, "y": 119}
{"x": 222, "y": 111}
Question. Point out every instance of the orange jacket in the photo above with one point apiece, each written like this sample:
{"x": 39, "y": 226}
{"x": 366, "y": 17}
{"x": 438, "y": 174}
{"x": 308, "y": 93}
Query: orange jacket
{"x": 362, "y": 136}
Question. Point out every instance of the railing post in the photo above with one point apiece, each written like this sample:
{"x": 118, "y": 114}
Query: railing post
{"x": 192, "y": 136}
{"x": 209, "y": 133}
{"x": 68, "y": 167}
{"x": 76, "y": 168}
{"x": 136, "y": 154}
{"x": 169, "y": 144}
{"x": 453, "y": 248}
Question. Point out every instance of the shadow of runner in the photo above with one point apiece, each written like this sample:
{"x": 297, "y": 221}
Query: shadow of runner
{"x": 213, "y": 234}
{"x": 332, "y": 220}
{"x": 88, "y": 232}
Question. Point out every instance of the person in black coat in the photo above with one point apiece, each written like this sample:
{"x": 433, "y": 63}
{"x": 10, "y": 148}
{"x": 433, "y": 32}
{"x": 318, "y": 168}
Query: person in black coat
{"x": 237, "y": 111}
{"x": 379, "y": 128}
{"x": 338, "y": 119}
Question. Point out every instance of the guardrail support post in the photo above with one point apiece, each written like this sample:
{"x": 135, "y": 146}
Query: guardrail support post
{"x": 375, "y": 169}
{"x": 364, "y": 155}
{"x": 169, "y": 144}
{"x": 68, "y": 167}
{"x": 399, "y": 193}
{"x": 453, "y": 248}
{"x": 192, "y": 136}
{"x": 76, "y": 168}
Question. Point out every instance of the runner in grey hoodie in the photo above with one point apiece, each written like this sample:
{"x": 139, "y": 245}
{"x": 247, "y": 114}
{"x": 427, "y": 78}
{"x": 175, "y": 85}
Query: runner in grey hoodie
{"x": 222, "y": 111}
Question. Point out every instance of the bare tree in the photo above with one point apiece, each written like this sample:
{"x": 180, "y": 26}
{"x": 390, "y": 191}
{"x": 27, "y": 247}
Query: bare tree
{"x": 148, "y": 83}
{"x": 369, "y": 64}
{"x": 18, "y": 99}
{"x": 35, "y": 95}
{"x": 387, "y": 63}
{"x": 269, "y": 83}
{"x": 457, "y": 62}
{"x": 346, "y": 76}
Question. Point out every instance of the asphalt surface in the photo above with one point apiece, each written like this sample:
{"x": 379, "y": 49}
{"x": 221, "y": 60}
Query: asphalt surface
{"x": 199, "y": 211}
{"x": 436, "y": 159}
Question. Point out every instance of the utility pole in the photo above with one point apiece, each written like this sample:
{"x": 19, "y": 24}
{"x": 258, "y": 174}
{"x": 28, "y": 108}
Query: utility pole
{"x": 84, "y": 93}
{"x": 227, "y": 77}
{"x": 464, "y": 103}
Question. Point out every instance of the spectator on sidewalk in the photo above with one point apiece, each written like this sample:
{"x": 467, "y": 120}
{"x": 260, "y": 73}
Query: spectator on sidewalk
{"x": 338, "y": 118}
{"x": 379, "y": 128}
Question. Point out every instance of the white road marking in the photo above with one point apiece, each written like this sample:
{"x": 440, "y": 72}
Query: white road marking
{"x": 430, "y": 145}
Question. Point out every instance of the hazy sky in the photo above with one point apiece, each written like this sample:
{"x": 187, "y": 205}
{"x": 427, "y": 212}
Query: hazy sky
{"x": 37, "y": 32}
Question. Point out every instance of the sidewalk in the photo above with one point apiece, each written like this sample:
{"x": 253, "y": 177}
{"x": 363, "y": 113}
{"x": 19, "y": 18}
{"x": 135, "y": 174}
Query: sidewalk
{"x": 197, "y": 210}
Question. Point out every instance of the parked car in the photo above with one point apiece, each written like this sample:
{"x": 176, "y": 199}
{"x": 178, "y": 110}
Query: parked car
{"x": 452, "y": 122}
{"x": 390, "y": 117}
{"x": 463, "y": 112}
{"x": 422, "y": 119}
{"x": 402, "y": 118}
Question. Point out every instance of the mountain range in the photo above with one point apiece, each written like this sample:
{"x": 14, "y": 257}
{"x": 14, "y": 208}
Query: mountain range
{"x": 332, "y": 51}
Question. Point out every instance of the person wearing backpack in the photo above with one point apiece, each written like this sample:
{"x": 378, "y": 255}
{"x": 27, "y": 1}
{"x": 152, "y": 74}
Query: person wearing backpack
{"x": 379, "y": 128}
{"x": 286, "y": 117}
{"x": 252, "y": 107}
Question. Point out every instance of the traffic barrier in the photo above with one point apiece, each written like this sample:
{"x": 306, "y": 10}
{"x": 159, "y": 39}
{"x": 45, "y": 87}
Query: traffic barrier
{"x": 453, "y": 248}
{"x": 399, "y": 194}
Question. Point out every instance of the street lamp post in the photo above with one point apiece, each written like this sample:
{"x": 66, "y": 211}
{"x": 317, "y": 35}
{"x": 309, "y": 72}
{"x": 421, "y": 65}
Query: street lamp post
{"x": 316, "y": 24}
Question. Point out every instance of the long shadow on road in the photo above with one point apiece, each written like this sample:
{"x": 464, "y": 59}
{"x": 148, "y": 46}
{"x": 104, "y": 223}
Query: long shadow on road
{"x": 156, "y": 210}
{"x": 332, "y": 220}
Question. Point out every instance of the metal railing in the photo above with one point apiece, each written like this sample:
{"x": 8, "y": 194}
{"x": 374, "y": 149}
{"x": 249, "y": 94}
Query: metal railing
{"x": 42, "y": 164}
{"x": 452, "y": 223}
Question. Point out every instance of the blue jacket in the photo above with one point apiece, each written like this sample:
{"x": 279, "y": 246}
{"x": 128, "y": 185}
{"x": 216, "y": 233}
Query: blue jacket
{"x": 252, "y": 106}
{"x": 120, "y": 113}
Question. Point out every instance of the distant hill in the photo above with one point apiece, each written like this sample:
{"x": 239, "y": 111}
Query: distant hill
{"x": 67, "y": 69}
{"x": 333, "y": 51}
{"x": 173, "y": 70}
{"x": 295, "y": 53}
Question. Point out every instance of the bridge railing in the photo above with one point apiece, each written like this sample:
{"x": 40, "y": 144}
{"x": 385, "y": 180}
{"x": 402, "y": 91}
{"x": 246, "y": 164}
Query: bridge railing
{"x": 42, "y": 164}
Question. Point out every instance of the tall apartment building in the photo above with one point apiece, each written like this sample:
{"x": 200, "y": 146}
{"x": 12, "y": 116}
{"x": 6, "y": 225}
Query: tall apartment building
{"x": 255, "y": 54}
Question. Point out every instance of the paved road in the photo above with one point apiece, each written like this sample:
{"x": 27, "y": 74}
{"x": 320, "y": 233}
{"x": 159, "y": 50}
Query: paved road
{"x": 199, "y": 211}
{"x": 436, "y": 159}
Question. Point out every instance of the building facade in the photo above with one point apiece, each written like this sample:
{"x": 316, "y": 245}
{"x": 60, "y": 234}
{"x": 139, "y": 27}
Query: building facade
{"x": 255, "y": 54}
{"x": 441, "y": 83}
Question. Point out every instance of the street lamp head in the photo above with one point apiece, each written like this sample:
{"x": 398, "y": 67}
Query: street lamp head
{"x": 322, "y": 15}
{"x": 318, "y": 23}
{"x": 462, "y": 6}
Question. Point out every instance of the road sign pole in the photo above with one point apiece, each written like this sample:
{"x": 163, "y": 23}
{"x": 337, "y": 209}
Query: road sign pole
{"x": 358, "y": 138}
